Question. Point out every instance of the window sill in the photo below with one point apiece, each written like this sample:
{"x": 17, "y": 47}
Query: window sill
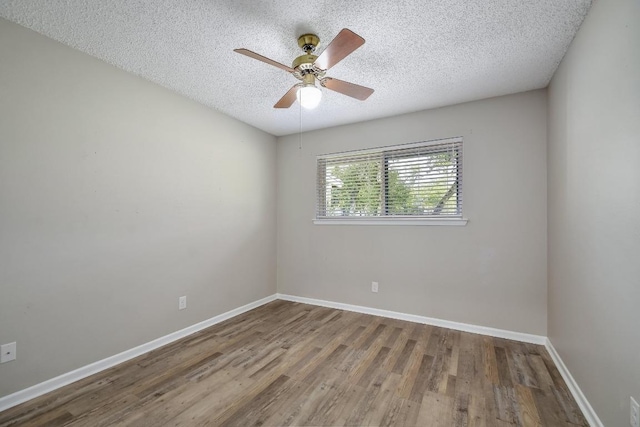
{"x": 392, "y": 221}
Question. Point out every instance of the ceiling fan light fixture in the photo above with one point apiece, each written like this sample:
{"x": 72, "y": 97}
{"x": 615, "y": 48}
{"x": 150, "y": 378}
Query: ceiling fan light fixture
{"x": 309, "y": 96}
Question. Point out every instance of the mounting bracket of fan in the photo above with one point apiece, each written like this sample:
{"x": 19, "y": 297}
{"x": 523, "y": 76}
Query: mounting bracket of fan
{"x": 308, "y": 42}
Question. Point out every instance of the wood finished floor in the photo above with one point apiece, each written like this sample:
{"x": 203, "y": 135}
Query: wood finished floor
{"x": 295, "y": 364}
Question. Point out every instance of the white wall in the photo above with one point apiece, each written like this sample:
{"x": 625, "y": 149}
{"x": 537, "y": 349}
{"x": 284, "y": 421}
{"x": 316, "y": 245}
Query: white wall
{"x": 491, "y": 272}
{"x": 594, "y": 208}
{"x": 116, "y": 197}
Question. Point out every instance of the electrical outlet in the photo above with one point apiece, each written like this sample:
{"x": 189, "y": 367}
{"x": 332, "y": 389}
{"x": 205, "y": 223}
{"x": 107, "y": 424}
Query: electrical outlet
{"x": 182, "y": 303}
{"x": 374, "y": 286}
{"x": 8, "y": 352}
{"x": 634, "y": 417}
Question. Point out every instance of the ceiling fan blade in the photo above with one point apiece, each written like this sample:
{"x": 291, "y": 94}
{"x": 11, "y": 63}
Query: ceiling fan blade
{"x": 259, "y": 57}
{"x": 340, "y": 47}
{"x": 346, "y": 88}
{"x": 288, "y": 99}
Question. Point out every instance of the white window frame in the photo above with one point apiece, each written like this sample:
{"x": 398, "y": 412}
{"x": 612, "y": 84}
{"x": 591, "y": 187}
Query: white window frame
{"x": 457, "y": 220}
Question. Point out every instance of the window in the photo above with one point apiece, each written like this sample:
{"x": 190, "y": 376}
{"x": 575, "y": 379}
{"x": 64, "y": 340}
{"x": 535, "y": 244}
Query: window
{"x": 404, "y": 182}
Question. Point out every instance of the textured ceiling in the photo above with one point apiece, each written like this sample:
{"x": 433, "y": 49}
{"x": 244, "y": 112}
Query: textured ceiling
{"x": 418, "y": 54}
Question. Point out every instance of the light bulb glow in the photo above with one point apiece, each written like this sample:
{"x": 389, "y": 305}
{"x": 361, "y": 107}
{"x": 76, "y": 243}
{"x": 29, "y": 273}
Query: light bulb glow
{"x": 309, "y": 96}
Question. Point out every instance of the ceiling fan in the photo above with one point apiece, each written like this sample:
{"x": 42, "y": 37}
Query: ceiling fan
{"x": 308, "y": 68}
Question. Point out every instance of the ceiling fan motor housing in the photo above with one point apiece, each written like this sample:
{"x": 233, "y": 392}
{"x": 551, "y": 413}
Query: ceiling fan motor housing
{"x": 303, "y": 65}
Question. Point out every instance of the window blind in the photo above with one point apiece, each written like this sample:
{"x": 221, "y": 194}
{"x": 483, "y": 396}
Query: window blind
{"x": 414, "y": 180}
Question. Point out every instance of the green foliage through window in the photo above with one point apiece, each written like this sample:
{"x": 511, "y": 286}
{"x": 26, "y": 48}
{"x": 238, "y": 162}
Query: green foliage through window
{"x": 423, "y": 180}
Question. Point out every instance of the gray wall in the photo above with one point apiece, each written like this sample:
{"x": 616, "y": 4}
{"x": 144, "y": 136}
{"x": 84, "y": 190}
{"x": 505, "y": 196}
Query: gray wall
{"x": 594, "y": 208}
{"x": 492, "y": 272}
{"x": 117, "y": 197}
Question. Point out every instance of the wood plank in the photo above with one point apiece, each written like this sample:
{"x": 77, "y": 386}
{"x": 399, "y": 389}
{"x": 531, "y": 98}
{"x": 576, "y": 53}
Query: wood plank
{"x": 388, "y": 384}
{"x": 421, "y": 380}
{"x": 438, "y": 376}
{"x": 490, "y": 362}
{"x": 455, "y": 351}
{"x": 366, "y": 358}
{"x": 290, "y": 406}
{"x": 256, "y": 408}
{"x": 477, "y": 411}
{"x": 99, "y": 411}
{"x": 56, "y": 417}
{"x": 528, "y": 411}
{"x": 410, "y": 373}
{"x": 507, "y": 405}
{"x": 549, "y": 409}
{"x": 396, "y": 350}
{"x": 403, "y": 358}
{"x": 461, "y": 410}
{"x": 327, "y": 409}
{"x": 436, "y": 410}
{"x": 569, "y": 406}
{"x": 522, "y": 371}
{"x": 504, "y": 372}
{"x": 545, "y": 381}
{"x": 368, "y": 375}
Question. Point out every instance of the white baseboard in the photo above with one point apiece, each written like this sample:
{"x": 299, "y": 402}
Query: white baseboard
{"x": 465, "y": 327}
{"x": 93, "y": 368}
{"x": 581, "y": 400}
